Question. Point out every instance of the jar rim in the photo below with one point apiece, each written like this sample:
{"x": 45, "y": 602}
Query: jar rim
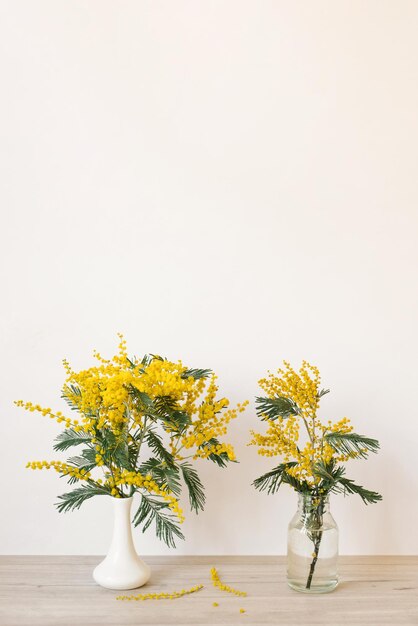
{"x": 306, "y": 497}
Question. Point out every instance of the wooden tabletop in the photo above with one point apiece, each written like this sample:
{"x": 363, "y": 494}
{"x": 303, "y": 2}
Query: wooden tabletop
{"x": 60, "y": 591}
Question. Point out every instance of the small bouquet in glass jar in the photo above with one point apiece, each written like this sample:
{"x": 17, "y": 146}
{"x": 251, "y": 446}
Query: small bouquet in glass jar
{"x": 313, "y": 455}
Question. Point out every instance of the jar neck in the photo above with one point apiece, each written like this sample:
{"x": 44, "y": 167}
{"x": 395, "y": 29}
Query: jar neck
{"x": 311, "y": 503}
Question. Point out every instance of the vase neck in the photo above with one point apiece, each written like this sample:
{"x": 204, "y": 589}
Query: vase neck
{"x": 122, "y": 504}
{"x": 311, "y": 503}
{"x": 122, "y": 530}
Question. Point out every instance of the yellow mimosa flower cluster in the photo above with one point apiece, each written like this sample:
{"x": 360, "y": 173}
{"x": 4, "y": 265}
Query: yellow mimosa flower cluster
{"x": 61, "y": 468}
{"x": 283, "y": 436}
{"x": 124, "y": 477}
{"x": 103, "y": 397}
{"x": 302, "y": 387}
{"x": 58, "y": 416}
{"x": 210, "y": 423}
{"x": 222, "y": 448}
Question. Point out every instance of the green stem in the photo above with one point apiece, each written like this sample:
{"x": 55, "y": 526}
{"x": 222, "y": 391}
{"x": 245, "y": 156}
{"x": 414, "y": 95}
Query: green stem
{"x": 316, "y": 538}
{"x": 141, "y": 439}
{"x": 317, "y": 543}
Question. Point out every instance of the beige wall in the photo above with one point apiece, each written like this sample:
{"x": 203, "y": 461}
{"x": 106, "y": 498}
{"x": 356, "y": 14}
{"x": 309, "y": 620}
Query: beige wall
{"x": 227, "y": 182}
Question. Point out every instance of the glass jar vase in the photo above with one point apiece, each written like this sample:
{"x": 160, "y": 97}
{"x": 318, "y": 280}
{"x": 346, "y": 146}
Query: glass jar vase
{"x": 312, "y": 546}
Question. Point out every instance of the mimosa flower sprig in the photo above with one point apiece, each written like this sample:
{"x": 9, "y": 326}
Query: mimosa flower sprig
{"x": 313, "y": 462}
{"x": 141, "y": 423}
{"x": 216, "y": 581}
{"x": 172, "y": 595}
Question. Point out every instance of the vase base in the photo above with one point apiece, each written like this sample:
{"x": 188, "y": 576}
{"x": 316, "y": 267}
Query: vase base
{"x": 108, "y": 577}
{"x": 324, "y": 587}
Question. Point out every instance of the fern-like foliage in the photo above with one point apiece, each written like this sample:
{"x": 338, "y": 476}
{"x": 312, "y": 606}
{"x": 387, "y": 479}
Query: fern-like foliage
{"x": 272, "y": 480}
{"x": 75, "y": 498}
{"x": 115, "y": 447}
{"x": 86, "y": 461}
{"x": 164, "y": 475}
{"x": 71, "y": 393}
{"x": 272, "y": 408}
{"x": 69, "y": 438}
{"x": 142, "y": 399}
{"x": 323, "y": 392}
{"x": 155, "y": 442}
{"x": 194, "y": 487}
{"x": 152, "y": 510}
{"x": 352, "y": 443}
{"x": 146, "y": 360}
{"x": 196, "y": 373}
{"x": 329, "y": 473}
{"x": 333, "y": 481}
{"x": 166, "y": 409}
{"x": 162, "y": 408}
{"x": 368, "y": 497}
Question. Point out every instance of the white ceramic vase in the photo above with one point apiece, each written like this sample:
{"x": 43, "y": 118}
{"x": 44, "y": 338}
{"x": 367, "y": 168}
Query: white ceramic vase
{"x": 122, "y": 568}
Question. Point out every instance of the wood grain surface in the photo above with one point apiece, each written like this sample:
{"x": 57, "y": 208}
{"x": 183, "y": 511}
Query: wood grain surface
{"x": 59, "y": 590}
